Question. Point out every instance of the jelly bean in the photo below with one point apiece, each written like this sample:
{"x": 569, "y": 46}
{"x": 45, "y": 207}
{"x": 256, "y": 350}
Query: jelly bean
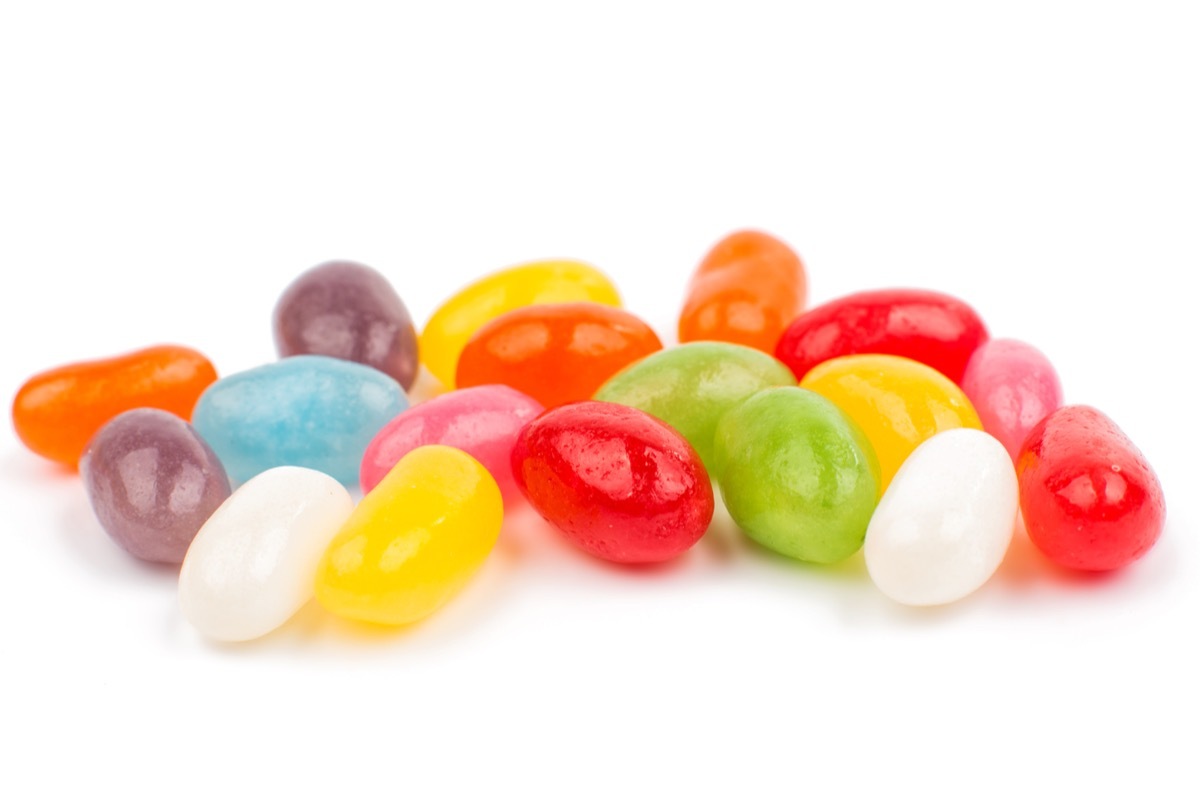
{"x": 618, "y": 483}
{"x": 796, "y": 474}
{"x": 1089, "y": 498}
{"x": 898, "y": 403}
{"x": 692, "y": 385}
{"x": 349, "y": 311}
{"x": 251, "y": 566}
{"x": 414, "y": 541}
{"x": 56, "y": 412}
{"x": 484, "y": 421}
{"x": 934, "y": 329}
{"x": 1012, "y": 386}
{"x": 944, "y": 525}
{"x": 152, "y": 482}
{"x": 555, "y": 353}
{"x": 747, "y": 290}
{"x": 537, "y": 283}
{"x": 309, "y": 410}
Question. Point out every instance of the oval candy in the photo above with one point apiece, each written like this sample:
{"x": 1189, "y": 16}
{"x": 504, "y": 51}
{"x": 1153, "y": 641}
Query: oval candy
{"x": 55, "y": 413}
{"x": 796, "y": 474}
{"x": 898, "y": 403}
{"x": 536, "y": 283}
{"x": 945, "y": 523}
{"x": 414, "y": 541}
{"x": 251, "y": 566}
{"x": 692, "y": 385}
{"x": 932, "y": 328}
{"x": 1012, "y": 386}
{"x": 618, "y": 483}
{"x": 307, "y": 411}
{"x": 747, "y": 290}
{"x": 1090, "y": 499}
{"x": 351, "y": 312}
{"x": 483, "y": 421}
{"x": 555, "y": 353}
{"x": 152, "y": 482}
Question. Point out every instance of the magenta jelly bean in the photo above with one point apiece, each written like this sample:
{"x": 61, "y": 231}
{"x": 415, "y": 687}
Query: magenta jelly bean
{"x": 483, "y": 421}
{"x": 1012, "y": 386}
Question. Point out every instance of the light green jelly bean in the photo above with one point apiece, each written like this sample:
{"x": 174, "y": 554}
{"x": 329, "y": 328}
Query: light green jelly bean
{"x": 797, "y": 475}
{"x": 692, "y": 385}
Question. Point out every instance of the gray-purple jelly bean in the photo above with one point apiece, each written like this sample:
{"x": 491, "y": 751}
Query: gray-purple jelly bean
{"x": 152, "y": 482}
{"x": 349, "y": 311}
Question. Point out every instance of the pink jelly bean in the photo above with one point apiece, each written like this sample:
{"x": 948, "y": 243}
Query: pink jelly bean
{"x": 1012, "y": 386}
{"x": 483, "y": 421}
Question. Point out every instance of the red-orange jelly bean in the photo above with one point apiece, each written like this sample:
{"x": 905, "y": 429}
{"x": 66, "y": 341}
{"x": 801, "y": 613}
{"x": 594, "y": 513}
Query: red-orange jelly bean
{"x": 555, "y": 353}
{"x": 749, "y": 287}
{"x": 56, "y": 412}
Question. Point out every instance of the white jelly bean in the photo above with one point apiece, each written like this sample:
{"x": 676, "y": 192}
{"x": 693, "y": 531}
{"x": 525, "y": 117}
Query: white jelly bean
{"x": 944, "y": 524}
{"x": 253, "y": 563}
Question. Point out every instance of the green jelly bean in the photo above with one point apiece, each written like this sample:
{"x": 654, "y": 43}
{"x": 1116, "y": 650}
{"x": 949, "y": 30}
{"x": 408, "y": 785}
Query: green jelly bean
{"x": 797, "y": 475}
{"x": 692, "y": 385}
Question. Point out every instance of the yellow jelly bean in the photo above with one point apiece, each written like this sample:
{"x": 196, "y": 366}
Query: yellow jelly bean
{"x": 536, "y": 283}
{"x": 897, "y": 402}
{"x": 414, "y": 540}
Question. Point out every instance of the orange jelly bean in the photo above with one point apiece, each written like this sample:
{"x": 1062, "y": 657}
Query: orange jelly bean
{"x": 56, "y": 412}
{"x": 747, "y": 290}
{"x": 555, "y": 353}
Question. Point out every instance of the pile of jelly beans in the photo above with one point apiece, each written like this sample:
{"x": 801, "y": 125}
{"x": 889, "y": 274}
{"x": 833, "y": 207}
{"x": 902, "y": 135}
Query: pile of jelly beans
{"x": 884, "y": 421}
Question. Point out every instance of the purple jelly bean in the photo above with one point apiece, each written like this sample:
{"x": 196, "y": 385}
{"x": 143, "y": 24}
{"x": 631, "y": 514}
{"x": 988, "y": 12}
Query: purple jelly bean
{"x": 152, "y": 482}
{"x": 349, "y": 311}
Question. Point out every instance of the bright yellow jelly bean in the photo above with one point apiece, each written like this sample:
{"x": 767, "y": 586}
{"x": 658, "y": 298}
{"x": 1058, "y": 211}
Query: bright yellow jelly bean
{"x": 536, "y": 283}
{"x": 414, "y": 540}
{"x": 897, "y": 402}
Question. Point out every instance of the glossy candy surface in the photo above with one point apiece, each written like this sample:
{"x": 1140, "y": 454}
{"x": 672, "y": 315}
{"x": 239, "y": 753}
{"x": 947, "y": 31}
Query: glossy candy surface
{"x": 897, "y": 402}
{"x": 251, "y": 566}
{"x": 309, "y": 411}
{"x": 944, "y": 525}
{"x": 555, "y": 353}
{"x": 348, "y": 311}
{"x": 935, "y": 329}
{"x": 55, "y": 413}
{"x": 1012, "y": 386}
{"x": 536, "y": 283}
{"x": 152, "y": 482}
{"x": 1089, "y": 498}
{"x": 747, "y": 289}
{"x": 692, "y": 385}
{"x": 796, "y": 474}
{"x": 414, "y": 541}
{"x": 483, "y": 421}
{"x": 618, "y": 483}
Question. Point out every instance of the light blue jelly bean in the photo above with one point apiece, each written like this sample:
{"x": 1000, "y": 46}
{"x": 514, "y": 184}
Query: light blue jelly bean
{"x": 309, "y": 410}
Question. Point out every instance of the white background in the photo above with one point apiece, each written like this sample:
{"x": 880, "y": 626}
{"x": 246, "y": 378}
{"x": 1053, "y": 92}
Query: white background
{"x": 164, "y": 173}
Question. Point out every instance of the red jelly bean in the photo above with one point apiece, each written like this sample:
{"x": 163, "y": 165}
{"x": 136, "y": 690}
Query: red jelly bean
{"x": 555, "y": 353}
{"x": 619, "y": 483}
{"x": 935, "y": 329}
{"x": 746, "y": 291}
{"x": 1089, "y": 498}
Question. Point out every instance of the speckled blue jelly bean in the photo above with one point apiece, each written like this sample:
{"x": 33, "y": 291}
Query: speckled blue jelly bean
{"x": 309, "y": 410}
